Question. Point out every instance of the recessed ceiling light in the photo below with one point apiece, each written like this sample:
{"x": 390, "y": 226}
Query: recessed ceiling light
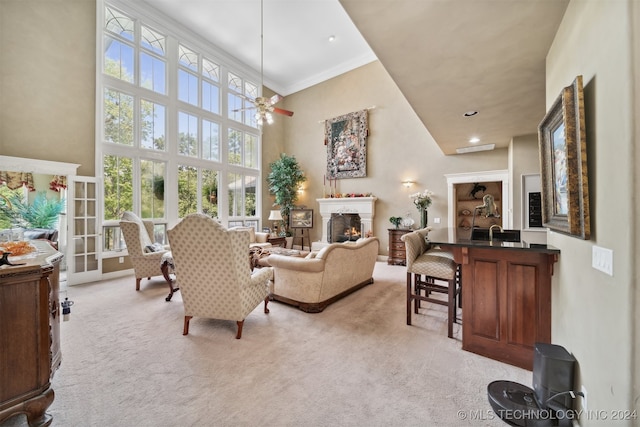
{"x": 474, "y": 140}
{"x": 470, "y": 113}
{"x": 485, "y": 147}
{"x": 332, "y": 38}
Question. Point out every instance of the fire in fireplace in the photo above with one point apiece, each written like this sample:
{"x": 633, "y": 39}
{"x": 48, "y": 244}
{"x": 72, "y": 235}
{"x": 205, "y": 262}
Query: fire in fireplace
{"x": 344, "y": 227}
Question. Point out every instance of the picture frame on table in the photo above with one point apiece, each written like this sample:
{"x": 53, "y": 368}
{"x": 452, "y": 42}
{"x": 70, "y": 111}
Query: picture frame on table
{"x": 301, "y": 218}
{"x": 563, "y": 164}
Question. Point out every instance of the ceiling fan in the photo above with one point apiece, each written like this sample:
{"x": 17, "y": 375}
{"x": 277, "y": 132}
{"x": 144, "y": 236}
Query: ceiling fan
{"x": 264, "y": 106}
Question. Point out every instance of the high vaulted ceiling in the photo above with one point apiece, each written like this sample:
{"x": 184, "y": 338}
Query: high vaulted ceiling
{"x": 448, "y": 57}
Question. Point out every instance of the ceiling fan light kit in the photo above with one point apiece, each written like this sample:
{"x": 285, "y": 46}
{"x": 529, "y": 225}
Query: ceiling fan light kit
{"x": 265, "y": 106}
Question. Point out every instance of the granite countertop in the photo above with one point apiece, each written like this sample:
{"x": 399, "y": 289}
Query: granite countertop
{"x": 447, "y": 236}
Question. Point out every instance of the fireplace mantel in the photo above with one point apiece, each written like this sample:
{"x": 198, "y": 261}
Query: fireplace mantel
{"x": 363, "y": 206}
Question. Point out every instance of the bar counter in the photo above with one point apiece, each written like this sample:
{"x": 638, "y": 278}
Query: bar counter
{"x": 506, "y": 295}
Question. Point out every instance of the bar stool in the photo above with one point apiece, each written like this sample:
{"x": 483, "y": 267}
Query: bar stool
{"x": 430, "y": 269}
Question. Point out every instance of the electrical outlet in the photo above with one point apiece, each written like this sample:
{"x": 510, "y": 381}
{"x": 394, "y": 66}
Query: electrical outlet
{"x": 584, "y": 398}
{"x": 121, "y": 260}
{"x": 602, "y": 259}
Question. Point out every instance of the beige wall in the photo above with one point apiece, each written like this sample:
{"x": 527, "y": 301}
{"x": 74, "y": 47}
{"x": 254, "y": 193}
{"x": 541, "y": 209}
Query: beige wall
{"x": 593, "y": 312}
{"x": 47, "y": 81}
{"x": 399, "y": 147}
{"x": 524, "y": 159}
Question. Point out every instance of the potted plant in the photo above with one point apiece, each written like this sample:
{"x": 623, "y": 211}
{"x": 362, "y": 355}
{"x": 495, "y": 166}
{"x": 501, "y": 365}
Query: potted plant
{"x": 395, "y": 220}
{"x": 41, "y": 213}
{"x": 284, "y": 180}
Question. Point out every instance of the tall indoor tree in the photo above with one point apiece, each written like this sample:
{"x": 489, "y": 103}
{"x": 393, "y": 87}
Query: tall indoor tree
{"x": 284, "y": 181}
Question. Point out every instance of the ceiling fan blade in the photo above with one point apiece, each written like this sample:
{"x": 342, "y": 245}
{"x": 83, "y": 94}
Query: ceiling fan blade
{"x": 274, "y": 99}
{"x": 283, "y": 112}
{"x": 244, "y": 109}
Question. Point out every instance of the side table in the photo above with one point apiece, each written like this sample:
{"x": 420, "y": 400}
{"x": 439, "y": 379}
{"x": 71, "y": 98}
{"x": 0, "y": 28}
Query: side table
{"x": 397, "y": 251}
{"x": 277, "y": 241}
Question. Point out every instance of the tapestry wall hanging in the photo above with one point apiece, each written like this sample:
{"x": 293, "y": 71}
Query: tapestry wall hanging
{"x": 346, "y": 138}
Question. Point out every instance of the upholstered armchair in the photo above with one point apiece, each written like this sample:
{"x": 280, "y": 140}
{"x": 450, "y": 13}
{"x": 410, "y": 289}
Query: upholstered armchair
{"x": 213, "y": 271}
{"x": 145, "y": 256}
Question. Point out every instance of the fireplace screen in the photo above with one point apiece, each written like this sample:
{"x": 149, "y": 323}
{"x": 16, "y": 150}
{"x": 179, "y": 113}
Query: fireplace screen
{"x": 344, "y": 227}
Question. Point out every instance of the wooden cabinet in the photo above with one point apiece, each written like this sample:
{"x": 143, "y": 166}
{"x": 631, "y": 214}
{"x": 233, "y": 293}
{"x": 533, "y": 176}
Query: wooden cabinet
{"x": 29, "y": 335}
{"x": 397, "y": 252}
{"x": 506, "y": 304}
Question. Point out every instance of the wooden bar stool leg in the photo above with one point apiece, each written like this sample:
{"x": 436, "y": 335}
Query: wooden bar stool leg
{"x": 409, "y": 298}
{"x": 452, "y": 306}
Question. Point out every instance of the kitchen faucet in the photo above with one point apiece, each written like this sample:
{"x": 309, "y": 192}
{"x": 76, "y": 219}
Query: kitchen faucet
{"x": 491, "y": 232}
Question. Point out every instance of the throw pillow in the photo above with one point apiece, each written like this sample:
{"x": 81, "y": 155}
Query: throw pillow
{"x": 145, "y": 240}
{"x": 156, "y": 247}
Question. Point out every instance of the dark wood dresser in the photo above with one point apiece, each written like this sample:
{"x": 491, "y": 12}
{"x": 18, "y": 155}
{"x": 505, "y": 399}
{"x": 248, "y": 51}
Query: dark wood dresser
{"x": 397, "y": 252}
{"x": 29, "y": 334}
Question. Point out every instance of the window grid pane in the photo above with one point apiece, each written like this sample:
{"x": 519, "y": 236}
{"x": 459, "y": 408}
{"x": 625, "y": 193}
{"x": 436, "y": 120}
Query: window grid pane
{"x": 210, "y": 193}
{"x": 235, "y": 83}
{"x": 118, "y": 120}
{"x": 235, "y": 194}
{"x": 234, "y": 140}
{"x": 118, "y": 23}
{"x": 210, "y": 97}
{"x": 152, "y": 120}
{"x": 210, "y": 141}
{"x": 117, "y": 187}
{"x": 152, "y": 178}
{"x": 188, "y": 58}
{"x": 235, "y": 105}
{"x": 152, "y": 73}
{"x": 250, "y": 151}
{"x": 210, "y": 70}
{"x": 153, "y": 41}
{"x": 187, "y": 87}
{"x": 118, "y": 59}
{"x": 251, "y": 90}
{"x": 188, "y": 134}
{"x": 187, "y": 190}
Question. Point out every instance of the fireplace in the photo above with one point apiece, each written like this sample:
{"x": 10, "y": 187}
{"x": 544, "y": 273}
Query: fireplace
{"x": 344, "y": 228}
{"x": 363, "y": 207}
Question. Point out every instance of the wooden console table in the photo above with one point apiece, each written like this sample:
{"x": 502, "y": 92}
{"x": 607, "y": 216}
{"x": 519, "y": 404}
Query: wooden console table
{"x": 506, "y": 296}
{"x": 29, "y": 334}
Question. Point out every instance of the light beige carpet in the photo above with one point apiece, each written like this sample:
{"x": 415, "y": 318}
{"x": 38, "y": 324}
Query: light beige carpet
{"x": 125, "y": 362}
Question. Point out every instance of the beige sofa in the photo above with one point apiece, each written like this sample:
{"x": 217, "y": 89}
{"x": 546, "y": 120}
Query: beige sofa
{"x": 314, "y": 282}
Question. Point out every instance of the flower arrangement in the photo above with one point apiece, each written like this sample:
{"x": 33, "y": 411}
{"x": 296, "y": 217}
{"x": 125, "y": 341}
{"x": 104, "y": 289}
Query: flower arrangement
{"x": 422, "y": 200}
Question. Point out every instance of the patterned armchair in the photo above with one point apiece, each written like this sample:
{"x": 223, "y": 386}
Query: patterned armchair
{"x": 136, "y": 234}
{"x": 213, "y": 271}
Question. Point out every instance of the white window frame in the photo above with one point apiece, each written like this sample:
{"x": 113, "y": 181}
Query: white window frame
{"x": 143, "y": 14}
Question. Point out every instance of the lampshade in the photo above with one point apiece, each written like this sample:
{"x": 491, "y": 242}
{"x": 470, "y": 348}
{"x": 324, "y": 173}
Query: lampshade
{"x": 275, "y": 216}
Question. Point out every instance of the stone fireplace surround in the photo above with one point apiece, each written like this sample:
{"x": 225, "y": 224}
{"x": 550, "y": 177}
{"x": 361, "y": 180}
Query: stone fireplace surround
{"x": 363, "y": 206}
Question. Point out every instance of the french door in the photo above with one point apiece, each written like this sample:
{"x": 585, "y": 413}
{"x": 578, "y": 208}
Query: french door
{"x": 84, "y": 254}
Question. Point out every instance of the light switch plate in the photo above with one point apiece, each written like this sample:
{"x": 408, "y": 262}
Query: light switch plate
{"x": 602, "y": 259}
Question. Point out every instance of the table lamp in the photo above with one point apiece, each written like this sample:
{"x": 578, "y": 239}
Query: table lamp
{"x": 275, "y": 216}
